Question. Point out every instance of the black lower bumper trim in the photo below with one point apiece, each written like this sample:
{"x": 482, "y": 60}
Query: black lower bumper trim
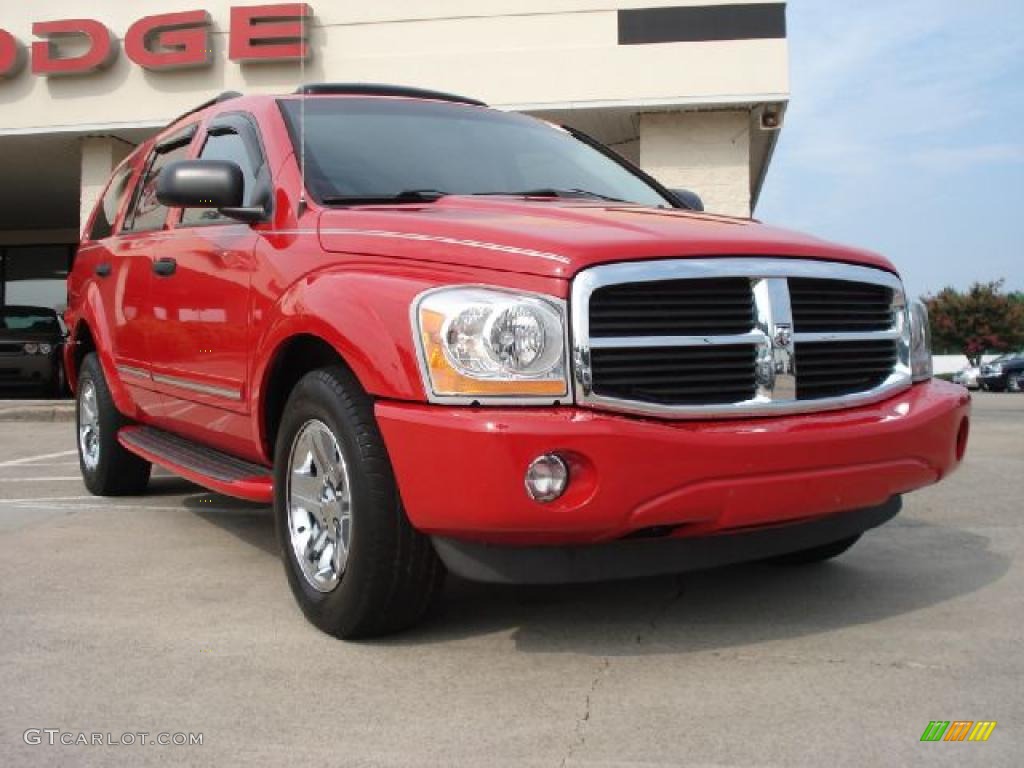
{"x": 628, "y": 559}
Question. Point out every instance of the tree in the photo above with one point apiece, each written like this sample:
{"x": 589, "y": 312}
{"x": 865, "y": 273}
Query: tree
{"x": 982, "y": 319}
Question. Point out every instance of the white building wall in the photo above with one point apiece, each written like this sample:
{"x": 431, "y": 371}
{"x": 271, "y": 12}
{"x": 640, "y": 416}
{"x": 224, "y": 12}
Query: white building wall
{"x": 100, "y": 155}
{"x": 706, "y": 152}
{"x": 516, "y": 54}
{"x": 953, "y": 363}
{"x": 544, "y": 57}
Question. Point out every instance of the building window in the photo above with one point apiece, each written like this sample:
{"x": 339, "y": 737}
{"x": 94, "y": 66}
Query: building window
{"x": 35, "y": 275}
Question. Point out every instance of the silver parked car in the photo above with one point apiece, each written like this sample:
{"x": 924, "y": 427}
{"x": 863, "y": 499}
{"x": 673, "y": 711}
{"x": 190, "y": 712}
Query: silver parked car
{"x": 968, "y": 377}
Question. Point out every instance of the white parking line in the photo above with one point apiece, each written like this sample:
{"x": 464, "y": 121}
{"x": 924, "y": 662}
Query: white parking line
{"x": 45, "y": 498}
{"x": 37, "y": 479}
{"x": 36, "y": 464}
{"x": 30, "y": 459}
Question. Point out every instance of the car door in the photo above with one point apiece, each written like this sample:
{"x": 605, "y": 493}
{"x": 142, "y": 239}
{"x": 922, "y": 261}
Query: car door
{"x": 119, "y": 250}
{"x": 201, "y": 301}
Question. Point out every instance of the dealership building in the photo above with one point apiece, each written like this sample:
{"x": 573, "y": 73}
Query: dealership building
{"x": 692, "y": 91}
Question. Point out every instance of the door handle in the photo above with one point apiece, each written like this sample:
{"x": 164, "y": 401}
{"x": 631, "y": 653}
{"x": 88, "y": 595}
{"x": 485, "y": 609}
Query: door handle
{"x": 165, "y": 267}
{"x": 103, "y": 270}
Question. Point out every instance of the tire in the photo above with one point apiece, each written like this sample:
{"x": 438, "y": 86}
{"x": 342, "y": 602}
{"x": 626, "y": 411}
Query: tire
{"x": 108, "y": 469}
{"x": 815, "y": 554}
{"x": 382, "y": 576}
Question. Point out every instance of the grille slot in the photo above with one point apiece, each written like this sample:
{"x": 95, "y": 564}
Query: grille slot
{"x": 676, "y": 375}
{"x": 823, "y": 306}
{"x": 835, "y": 368}
{"x": 673, "y": 308}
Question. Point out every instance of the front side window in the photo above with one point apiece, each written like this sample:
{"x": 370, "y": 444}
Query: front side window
{"x": 147, "y": 212}
{"x": 224, "y": 146}
{"x": 367, "y": 148}
{"x": 106, "y": 213}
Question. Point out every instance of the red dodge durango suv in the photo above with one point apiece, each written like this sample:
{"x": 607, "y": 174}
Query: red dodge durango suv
{"x": 437, "y": 336}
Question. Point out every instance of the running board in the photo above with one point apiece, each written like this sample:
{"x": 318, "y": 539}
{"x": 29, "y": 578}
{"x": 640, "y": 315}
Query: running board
{"x": 204, "y": 466}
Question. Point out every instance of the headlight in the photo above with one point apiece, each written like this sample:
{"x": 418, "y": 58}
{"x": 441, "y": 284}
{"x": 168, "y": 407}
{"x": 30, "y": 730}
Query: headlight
{"x": 31, "y": 349}
{"x": 996, "y": 369}
{"x": 45, "y": 349}
{"x": 489, "y": 343}
{"x": 920, "y": 342}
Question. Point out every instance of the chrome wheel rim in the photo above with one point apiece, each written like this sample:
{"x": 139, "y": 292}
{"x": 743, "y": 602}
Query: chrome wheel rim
{"x": 319, "y": 501}
{"x": 88, "y": 425}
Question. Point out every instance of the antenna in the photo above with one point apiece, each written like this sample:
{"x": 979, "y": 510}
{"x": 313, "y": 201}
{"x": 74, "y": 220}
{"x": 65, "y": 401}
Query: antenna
{"x": 306, "y": 38}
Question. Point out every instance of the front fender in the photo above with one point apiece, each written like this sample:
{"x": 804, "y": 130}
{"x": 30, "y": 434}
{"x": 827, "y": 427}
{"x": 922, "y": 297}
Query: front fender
{"x": 362, "y": 309}
{"x": 363, "y": 315}
{"x": 90, "y": 314}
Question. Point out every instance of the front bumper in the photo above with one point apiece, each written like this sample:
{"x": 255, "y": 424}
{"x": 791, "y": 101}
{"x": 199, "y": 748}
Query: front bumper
{"x": 27, "y": 370}
{"x": 996, "y": 381}
{"x": 633, "y": 558}
{"x": 461, "y": 470}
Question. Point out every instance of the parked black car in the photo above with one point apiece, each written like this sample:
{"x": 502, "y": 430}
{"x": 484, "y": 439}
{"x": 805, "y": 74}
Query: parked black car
{"x": 1003, "y": 374}
{"x": 31, "y": 340}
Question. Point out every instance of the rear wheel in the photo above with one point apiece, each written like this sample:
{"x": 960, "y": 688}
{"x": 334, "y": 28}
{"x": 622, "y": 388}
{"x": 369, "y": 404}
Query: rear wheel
{"x": 354, "y": 562}
{"x": 815, "y": 554}
{"x": 107, "y": 468}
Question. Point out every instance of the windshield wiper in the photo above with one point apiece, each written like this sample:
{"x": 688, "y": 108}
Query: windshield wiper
{"x": 406, "y": 196}
{"x": 555, "y": 192}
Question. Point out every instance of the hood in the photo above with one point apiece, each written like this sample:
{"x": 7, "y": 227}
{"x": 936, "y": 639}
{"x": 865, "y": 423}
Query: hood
{"x": 558, "y": 238}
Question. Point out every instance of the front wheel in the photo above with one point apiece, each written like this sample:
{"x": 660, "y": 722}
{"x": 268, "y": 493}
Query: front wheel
{"x": 354, "y": 562}
{"x": 107, "y": 468}
{"x": 815, "y": 554}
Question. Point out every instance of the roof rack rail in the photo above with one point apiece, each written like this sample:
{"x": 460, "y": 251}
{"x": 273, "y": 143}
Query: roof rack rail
{"x": 377, "y": 89}
{"x": 218, "y": 99}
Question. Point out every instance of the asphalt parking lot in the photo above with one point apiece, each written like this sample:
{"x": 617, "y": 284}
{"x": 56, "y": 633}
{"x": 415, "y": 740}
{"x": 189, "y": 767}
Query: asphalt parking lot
{"x": 170, "y": 613}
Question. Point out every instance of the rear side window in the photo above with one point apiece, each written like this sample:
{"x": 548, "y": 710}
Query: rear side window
{"x": 147, "y": 213}
{"x": 106, "y": 215}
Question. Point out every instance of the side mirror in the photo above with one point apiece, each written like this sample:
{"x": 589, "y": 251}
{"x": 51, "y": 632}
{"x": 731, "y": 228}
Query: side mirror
{"x": 688, "y": 199}
{"x": 206, "y": 184}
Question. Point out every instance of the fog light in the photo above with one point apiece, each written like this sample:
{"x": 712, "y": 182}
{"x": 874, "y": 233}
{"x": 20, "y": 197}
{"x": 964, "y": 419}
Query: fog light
{"x": 547, "y": 478}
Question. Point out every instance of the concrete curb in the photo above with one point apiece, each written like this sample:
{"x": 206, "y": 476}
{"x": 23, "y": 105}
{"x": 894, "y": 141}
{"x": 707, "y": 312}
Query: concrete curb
{"x": 37, "y": 410}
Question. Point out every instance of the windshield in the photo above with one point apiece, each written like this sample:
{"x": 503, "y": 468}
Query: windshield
{"x": 28, "y": 319}
{"x": 380, "y": 148}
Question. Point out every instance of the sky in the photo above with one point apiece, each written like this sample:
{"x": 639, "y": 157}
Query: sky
{"x": 905, "y": 135}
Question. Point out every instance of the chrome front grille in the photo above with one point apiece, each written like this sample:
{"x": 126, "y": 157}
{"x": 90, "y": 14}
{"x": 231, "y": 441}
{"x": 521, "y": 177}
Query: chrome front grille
{"x": 737, "y": 336}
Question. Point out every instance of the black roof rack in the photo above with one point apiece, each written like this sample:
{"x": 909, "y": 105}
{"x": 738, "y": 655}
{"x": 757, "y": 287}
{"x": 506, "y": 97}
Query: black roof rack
{"x": 226, "y": 96}
{"x": 376, "y": 89}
